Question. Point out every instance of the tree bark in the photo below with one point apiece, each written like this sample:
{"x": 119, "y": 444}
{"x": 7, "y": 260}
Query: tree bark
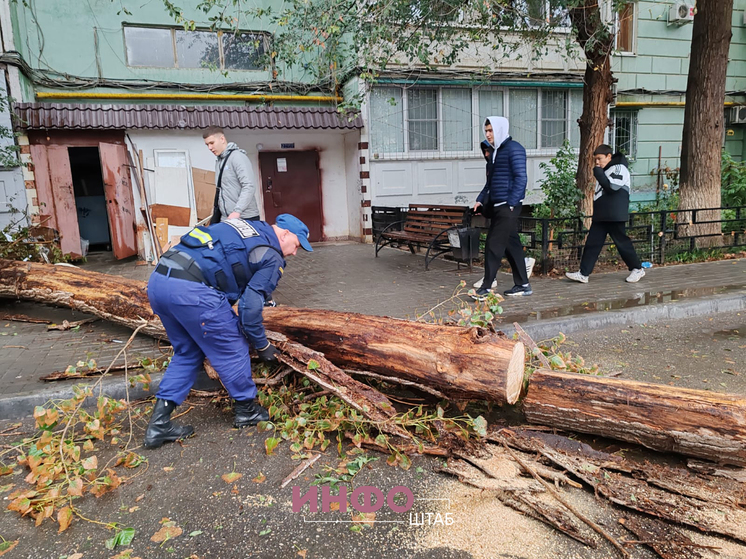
{"x": 460, "y": 362}
{"x": 702, "y": 136}
{"x": 467, "y": 363}
{"x": 597, "y": 43}
{"x": 695, "y": 423}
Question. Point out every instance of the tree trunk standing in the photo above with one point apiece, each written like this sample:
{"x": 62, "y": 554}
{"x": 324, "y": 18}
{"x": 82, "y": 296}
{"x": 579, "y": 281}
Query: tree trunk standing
{"x": 597, "y": 42}
{"x": 702, "y": 137}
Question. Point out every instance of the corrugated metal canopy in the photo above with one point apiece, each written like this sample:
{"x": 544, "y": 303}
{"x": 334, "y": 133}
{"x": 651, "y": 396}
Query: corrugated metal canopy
{"x": 83, "y": 116}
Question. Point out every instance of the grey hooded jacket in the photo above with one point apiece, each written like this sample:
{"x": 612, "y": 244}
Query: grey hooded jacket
{"x": 237, "y": 191}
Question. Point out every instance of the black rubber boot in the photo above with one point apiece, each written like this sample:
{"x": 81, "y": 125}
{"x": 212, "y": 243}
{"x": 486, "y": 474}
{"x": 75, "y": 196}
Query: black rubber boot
{"x": 249, "y": 412}
{"x": 161, "y": 430}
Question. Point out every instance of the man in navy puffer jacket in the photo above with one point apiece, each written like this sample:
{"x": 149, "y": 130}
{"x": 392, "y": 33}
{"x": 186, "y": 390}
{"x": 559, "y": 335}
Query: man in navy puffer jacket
{"x": 506, "y": 186}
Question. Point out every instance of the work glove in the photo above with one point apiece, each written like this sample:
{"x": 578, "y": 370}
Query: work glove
{"x": 268, "y": 354}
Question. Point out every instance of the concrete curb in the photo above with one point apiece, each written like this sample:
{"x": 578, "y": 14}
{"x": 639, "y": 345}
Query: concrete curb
{"x": 544, "y": 329}
{"x": 22, "y": 405}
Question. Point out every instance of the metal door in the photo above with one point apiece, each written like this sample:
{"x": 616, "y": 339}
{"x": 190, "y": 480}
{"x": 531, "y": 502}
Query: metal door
{"x": 291, "y": 184}
{"x": 63, "y": 194}
{"x": 119, "y": 204}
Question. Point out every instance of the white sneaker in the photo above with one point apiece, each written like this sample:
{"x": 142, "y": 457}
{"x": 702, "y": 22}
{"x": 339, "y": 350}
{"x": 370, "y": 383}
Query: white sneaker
{"x": 530, "y": 266}
{"x": 478, "y": 284}
{"x": 635, "y": 275}
{"x": 577, "y": 276}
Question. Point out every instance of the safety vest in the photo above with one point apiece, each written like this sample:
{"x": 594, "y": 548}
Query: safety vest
{"x": 222, "y": 252}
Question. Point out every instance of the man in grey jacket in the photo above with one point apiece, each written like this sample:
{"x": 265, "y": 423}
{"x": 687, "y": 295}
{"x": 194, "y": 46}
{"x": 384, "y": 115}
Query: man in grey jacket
{"x": 234, "y": 179}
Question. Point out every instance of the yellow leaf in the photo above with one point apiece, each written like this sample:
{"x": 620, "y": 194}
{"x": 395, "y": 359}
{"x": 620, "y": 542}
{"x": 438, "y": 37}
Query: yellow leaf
{"x": 166, "y": 533}
{"x": 261, "y": 478}
{"x": 64, "y": 517}
{"x": 168, "y": 469}
{"x": 75, "y": 487}
{"x": 231, "y": 477}
{"x": 75, "y": 556}
{"x": 364, "y": 518}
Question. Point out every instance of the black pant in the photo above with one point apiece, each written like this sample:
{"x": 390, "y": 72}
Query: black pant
{"x": 595, "y": 242}
{"x": 503, "y": 239}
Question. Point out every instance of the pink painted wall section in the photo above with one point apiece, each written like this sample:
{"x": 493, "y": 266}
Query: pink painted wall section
{"x": 61, "y": 182}
{"x": 119, "y": 203}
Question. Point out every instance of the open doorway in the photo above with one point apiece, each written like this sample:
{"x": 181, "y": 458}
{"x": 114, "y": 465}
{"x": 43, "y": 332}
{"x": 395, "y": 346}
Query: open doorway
{"x": 88, "y": 185}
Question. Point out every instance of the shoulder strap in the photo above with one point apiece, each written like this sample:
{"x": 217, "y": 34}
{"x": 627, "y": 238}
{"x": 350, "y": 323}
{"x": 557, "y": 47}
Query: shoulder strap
{"x": 216, "y": 203}
{"x": 225, "y": 162}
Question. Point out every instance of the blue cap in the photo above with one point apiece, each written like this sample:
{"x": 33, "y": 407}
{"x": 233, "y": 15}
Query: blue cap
{"x": 295, "y": 225}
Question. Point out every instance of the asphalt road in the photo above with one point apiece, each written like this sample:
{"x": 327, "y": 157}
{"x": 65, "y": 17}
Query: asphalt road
{"x": 706, "y": 353}
{"x": 249, "y": 518}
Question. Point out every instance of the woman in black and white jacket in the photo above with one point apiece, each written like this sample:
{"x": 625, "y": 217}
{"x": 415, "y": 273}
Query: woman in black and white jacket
{"x": 610, "y": 215}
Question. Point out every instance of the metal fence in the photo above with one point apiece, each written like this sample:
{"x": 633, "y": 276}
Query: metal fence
{"x": 658, "y": 236}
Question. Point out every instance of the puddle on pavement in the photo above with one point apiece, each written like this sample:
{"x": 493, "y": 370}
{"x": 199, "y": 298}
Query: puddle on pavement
{"x": 641, "y": 299}
{"x": 734, "y": 334}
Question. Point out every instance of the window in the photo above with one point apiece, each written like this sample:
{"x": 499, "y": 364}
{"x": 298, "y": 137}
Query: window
{"x": 624, "y": 134}
{"x": 197, "y": 49}
{"x": 386, "y": 120}
{"x": 576, "y": 109}
{"x": 175, "y": 48}
{"x": 490, "y": 104}
{"x": 522, "y": 116}
{"x": 449, "y": 121}
{"x": 242, "y": 51}
{"x": 625, "y": 37}
{"x": 422, "y": 116}
{"x": 457, "y": 121}
{"x": 553, "y": 117}
{"x": 531, "y": 13}
{"x": 149, "y": 47}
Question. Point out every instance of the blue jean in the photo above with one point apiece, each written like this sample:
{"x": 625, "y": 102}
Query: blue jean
{"x": 200, "y": 323}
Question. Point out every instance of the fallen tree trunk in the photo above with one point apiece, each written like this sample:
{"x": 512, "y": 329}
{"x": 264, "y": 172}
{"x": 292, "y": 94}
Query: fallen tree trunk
{"x": 119, "y": 300}
{"x": 468, "y": 363}
{"x": 125, "y": 302}
{"x": 460, "y": 362}
{"x": 695, "y": 423}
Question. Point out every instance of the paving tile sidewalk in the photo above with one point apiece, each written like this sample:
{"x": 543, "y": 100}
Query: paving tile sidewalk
{"x": 347, "y": 277}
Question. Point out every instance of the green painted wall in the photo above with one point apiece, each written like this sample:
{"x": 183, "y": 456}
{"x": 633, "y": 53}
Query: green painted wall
{"x": 61, "y": 35}
{"x": 660, "y": 66}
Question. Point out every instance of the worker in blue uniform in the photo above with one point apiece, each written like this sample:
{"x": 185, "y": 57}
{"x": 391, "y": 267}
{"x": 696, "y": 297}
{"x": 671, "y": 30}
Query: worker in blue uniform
{"x": 193, "y": 289}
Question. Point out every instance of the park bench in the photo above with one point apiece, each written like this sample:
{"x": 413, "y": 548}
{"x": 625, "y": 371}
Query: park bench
{"x": 426, "y": 225}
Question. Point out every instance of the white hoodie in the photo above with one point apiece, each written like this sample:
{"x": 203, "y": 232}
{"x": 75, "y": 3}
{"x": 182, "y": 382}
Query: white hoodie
{"x": 500, "y": 130}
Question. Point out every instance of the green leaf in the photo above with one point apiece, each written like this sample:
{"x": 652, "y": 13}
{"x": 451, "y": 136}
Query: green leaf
{"x": 270, "y": 444}
{"x": 265, "y": 532}
{"x": 382, "y": 440}
{"x": 556, "y": 362}
{"x": 195, "y": 533}
{"x": 313, "y": 365}
{"x": 480, "y": 426}
{"x": 123, "y": 537}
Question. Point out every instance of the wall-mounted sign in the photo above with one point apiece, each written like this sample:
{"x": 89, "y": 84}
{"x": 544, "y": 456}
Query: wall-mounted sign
{"x": 282, "y": 165}
{"x": 288, "y": 146}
